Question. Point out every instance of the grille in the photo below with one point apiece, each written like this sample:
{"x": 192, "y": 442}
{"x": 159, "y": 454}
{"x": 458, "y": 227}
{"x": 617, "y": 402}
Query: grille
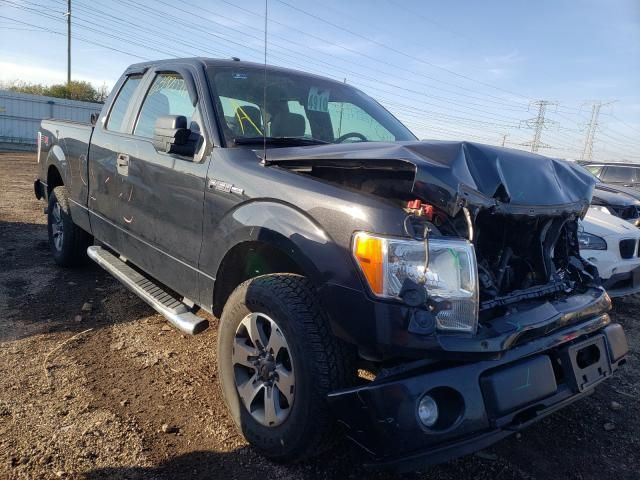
{"x": 627, "y": 248}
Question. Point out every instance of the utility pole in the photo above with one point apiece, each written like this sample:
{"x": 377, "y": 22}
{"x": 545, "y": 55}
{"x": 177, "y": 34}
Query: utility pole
{"x": 538, "y": 123}
{"x": 68, "y": 14}
{"x": 587, "y": 152}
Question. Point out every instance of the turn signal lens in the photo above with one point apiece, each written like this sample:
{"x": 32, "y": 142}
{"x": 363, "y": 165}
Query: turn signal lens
{"x": 370, "y": 252}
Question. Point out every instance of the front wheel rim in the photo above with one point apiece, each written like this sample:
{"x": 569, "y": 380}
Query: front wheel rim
{"x": 263, "y": 369}
{"x": 57, "y": 226}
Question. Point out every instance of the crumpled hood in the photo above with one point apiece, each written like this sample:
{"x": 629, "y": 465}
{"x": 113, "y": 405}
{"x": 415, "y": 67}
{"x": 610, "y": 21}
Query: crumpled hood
{"x": 450, "y": 174}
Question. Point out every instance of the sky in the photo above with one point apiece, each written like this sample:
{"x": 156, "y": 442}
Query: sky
{"x": 466, "y": 70}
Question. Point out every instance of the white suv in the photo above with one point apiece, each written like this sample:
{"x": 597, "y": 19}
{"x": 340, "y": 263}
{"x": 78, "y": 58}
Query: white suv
{"x": 612, "y": 245}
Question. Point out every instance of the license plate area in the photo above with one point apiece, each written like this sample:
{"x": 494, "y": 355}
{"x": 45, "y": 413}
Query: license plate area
{"x": 586, "y": 364}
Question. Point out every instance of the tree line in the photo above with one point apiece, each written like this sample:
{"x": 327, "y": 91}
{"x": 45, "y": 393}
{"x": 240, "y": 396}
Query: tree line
{"x": 76, "y": 90}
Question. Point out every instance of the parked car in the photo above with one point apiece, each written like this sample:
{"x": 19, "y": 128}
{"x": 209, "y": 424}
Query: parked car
{"x": 623, "y": 174}
{"x": 612, "y": 245}
{"x": 611, "y": 199}
{"x": 429, "y": 297}
{"x": 623, "y": 202}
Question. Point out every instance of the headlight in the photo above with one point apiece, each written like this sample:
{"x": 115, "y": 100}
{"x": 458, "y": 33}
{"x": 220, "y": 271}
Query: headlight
{"x": 588, "y": 241}
{"x": 602, "y": 209}
{"x": 445, "y": 268}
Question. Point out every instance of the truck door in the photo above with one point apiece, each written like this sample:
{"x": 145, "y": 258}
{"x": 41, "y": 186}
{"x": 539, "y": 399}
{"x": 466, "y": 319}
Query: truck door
{"x": 162, "y": 207}
{"x": 160, "y": 194}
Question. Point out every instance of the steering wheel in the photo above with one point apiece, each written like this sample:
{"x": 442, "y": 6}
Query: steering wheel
{"x": 342, "y": 138}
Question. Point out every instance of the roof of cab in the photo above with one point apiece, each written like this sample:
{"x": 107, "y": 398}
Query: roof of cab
{"x": 219, "y": 62}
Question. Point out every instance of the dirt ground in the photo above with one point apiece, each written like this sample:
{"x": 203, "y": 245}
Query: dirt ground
{"x": 89, "y": 374}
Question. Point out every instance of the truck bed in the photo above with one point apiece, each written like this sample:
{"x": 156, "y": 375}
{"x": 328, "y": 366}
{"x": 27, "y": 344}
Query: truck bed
{"x": 65, "y": 143}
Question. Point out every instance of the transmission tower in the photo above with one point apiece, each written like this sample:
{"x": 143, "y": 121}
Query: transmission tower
{"x": 587, "y": 152}
{"x": 538, "y": 123}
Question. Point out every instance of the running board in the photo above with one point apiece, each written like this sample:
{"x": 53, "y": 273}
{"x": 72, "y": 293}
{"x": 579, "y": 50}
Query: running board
{"x": 176, "y": 312}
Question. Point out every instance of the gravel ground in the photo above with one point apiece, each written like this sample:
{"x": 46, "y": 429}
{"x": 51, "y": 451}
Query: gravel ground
{"x": 90, "y": 377}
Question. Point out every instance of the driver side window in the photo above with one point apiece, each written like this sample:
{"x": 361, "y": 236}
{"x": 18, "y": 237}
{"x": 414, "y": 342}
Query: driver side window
{"x": 168, "y": 95}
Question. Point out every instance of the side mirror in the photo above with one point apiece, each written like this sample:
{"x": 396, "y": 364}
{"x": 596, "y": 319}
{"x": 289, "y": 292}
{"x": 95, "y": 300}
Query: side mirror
{"x": 171, "y": 135}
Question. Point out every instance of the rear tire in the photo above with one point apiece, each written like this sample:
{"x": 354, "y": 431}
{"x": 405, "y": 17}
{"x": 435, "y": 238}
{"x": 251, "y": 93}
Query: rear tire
{"x": 315, "y": 363}
{"x": 67, "y": 241}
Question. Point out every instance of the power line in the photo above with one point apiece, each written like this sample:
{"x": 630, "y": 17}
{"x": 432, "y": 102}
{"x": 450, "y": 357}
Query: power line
{"x": 77, "y": 37}
{"x": 399, "y": 52}
{"x": 635, "y": 129}
{"x": 414, "y": 74}
{"x": 375, "y": 82}
{"x": 287, "y": 61}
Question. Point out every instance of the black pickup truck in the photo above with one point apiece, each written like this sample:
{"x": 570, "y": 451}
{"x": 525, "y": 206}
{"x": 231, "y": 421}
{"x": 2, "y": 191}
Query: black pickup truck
{"x": 428, "y": 298}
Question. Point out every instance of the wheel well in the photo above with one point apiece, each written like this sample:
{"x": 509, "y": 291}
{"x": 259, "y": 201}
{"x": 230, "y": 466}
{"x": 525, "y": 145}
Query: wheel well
{"x": 53, "y": 179}
{"x": 248, "y": 260}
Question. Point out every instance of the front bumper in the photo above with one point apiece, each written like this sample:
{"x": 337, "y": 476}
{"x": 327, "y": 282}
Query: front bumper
{"x": 480, "y": 403}
{"x": 621, "y": 284}
{"x": 609, "y": 262}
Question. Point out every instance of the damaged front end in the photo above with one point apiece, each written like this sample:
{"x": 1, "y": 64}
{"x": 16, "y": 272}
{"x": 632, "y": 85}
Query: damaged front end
{"x": 488, "y": 232}
{"x": 501, "y": 321}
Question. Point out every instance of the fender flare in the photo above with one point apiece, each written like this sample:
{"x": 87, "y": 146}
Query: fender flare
{"x": 290, "y": 230}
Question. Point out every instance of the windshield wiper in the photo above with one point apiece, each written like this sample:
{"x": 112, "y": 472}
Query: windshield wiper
{"x": 293, "y": 141}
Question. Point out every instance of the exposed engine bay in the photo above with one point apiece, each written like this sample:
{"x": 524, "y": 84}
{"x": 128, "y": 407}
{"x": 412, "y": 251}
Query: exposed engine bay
{"x": 522, "y": 258}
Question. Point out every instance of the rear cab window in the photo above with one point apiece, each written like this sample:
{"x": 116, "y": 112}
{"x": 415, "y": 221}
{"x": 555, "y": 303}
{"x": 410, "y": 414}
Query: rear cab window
{"x": 620, "y": 174}
{"x": 116, "y": 121}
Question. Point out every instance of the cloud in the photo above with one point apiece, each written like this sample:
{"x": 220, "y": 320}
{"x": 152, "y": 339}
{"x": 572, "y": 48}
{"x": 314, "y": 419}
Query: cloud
{"x": 502, "y": 65}
{"x": 503, "y": 59}
{"x": 48, "y": 76}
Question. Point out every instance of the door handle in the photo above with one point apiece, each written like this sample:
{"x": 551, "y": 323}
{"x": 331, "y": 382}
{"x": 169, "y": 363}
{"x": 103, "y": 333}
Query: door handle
{"x": 122, "y": 164}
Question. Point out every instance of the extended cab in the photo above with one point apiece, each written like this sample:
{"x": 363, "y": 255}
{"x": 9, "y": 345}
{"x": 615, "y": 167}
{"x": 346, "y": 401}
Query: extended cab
{"x": 428, "y": 297}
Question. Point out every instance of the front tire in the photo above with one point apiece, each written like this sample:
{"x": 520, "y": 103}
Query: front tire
{"x": 278, "y": 360}
{"x": 67, "y": 241}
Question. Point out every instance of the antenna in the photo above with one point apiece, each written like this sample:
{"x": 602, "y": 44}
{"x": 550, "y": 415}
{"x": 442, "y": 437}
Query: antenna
{"x": 264, "y": 94}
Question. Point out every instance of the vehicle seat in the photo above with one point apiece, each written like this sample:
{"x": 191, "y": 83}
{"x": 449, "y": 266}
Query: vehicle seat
{"x": 287, "y": 124}
{"x": 249, "y": 121}
{"x": 156, "y": 105}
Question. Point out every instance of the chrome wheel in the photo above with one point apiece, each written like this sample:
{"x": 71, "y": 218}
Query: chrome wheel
{"x": 263, "y": 369}
{"x": 57, "y": 227}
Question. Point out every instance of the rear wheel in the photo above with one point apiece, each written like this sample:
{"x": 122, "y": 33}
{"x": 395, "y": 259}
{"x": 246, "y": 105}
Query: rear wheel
{"x": 67, "y": 241}
{"x": 278, "y": 360}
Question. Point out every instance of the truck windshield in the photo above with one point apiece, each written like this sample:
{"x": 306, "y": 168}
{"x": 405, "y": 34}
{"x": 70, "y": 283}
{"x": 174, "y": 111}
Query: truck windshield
{"x": 301, "y": 108}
